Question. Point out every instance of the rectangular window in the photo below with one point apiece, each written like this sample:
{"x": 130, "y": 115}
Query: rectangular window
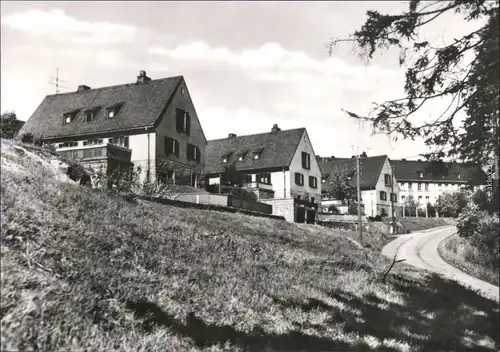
{"x": 264, "y": 177}
{"x": 193, "y": 152}
{"x": 111, "y": 113}
{"x": 299, "y": 179}
{"x": 68, "y": 145}
{"x": 421, "y": 174}
{"x": 89, "y": 116}
{"x": 313, "y": 182}
{"x": 306, "y": 161}
{"x": 383, "y": 195}
{"x": 394, "y": 198}
{"x": 402, "y": 184}
{"x": 426, "y": 186}
{"x": 419, "y": 186}
{"x": 403, "y": 198}
{"x": 387, "y": 178}
{"x": 256, "y": 156}
{"x": 410, "y": 185}
{"x": 248, "y": 178}
{"x": 171, "y": 146}
{"x": 121, "y": 141}
{"x": 183, "y": 121}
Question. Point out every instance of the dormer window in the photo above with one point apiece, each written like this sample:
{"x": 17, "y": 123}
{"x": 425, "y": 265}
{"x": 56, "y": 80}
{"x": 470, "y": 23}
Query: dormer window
{"x": 70, "y": 116}
{"x": 241, "y": 156}
{"x": 113, "y": 110}
{"x": 458, "y": 175}
{"x": 421, "y": 174}
{"x": 225, "y": 158}
{"x": 256, "y": 154}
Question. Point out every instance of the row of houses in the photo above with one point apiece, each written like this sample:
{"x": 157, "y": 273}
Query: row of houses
{"x": 153, "y": 124}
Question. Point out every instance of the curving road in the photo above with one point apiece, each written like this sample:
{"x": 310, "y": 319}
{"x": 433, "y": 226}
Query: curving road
{"x": 420, "y": 250}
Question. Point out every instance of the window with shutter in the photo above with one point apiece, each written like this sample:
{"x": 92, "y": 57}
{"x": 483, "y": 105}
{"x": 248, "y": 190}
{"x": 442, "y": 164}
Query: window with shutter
{"x": 313, "y": 182}
{"x": 187, "y": 124}
{"x": 179, "y": 123}
{"x": 306, "y": 160}
{"x": 168, "y": 145}
{"x": 387, "y": 180}
{"x": 299, "y": 179}
{"x": 198, "y": 154}
{"x": 177, "y": 147}
{"x": 383, "y": 195}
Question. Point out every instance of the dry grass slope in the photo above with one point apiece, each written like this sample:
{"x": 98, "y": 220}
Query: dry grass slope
{"x": 84, "y": 271}
{"x": 420, "y": 224}
{"x": 458, "y": 252}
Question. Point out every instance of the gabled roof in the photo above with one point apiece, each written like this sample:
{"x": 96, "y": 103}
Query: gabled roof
{"x": 369, "y": 169}
{"x": 409, "y": 170}
{"x": 141, "y": 106}
{"x": 276, "y": 150}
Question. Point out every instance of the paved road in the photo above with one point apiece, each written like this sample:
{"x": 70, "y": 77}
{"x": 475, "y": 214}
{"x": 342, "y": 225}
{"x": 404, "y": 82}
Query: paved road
{"x": 420, "y": 250}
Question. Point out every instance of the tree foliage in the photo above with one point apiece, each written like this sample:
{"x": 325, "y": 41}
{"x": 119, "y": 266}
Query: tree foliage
{"x": 465, "y": 71}
{"x": 10, "y": 125}
{"x": 339, "y": 185}
{"x": 451, "y": 204}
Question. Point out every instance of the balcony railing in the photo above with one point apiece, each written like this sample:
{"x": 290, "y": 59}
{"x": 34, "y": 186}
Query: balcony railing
{"x": 258, "y": 185}
{"x": 100, "y": 152}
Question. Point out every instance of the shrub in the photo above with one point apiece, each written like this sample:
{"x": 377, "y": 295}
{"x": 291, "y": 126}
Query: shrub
{"x": 334, "y": 210}
{"x": 383, "y": 213}
{"x": 480, "y": 228}
{"x": 27, "y": 138}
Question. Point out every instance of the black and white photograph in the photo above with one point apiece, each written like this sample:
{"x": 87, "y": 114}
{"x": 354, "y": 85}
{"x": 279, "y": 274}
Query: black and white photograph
{"x": 250, "y": 176}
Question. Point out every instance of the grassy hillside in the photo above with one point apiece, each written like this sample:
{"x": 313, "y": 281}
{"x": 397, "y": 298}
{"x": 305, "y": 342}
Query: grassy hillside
{"x": 420, "y": 224}
{"x": 82, "y": 270}
{"x": 460, "y": 253}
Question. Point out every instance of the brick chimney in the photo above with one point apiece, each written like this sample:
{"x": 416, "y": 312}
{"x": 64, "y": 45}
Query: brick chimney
{"x": 275, "y": 128}
{"x": 231, "y": 135}
{"x": 142, "y": 78}
{"x": 83, "y": 88}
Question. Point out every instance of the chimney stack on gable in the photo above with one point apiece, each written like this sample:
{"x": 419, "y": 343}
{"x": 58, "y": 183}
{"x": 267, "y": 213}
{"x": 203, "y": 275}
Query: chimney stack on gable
{"x": 232, "y": 135}
{"x": 82, "y": 88}
{"x": 275, "y": 128}
{"x": 142, "y": 78}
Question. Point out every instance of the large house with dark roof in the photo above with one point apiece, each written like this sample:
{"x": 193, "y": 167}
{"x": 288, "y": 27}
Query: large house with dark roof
{"x": 424, "y": 181}
{"x": 379, "y": 189}
{"x": 279, "y": 166}
{"x": 150, "y": 123}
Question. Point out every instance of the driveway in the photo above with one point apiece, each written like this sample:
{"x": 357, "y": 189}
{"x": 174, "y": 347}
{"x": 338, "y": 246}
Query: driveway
{"x": 420, "y": 250}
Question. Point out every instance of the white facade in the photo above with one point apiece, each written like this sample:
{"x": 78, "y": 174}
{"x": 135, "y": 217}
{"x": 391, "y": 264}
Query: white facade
{"x": 138, "y": 143}
{"x": 283, "y": 182}
{"x": 424, "y": 192}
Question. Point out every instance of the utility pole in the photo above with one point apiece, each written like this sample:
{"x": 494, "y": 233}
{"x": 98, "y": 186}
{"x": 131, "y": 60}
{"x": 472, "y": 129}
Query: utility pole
{"x": 393, "y": 229}
{"x": 55, "y": 81}
{"x": 495, "y": 180}
{"x": 358, "y": 188}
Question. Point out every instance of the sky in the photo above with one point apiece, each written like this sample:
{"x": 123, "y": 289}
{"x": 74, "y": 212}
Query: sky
{"x": 247, "y": 65}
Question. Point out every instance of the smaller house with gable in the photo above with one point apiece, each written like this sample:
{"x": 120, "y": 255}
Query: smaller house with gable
{"x": 379, "y": 188}
{"x": 278, "y": 166}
